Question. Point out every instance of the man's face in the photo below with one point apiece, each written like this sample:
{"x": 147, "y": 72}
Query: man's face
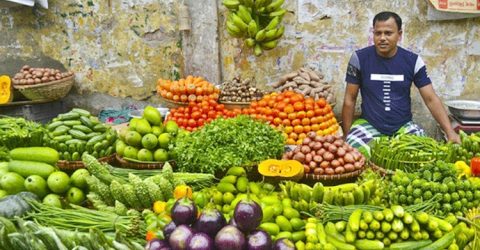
{"x": 386, "y": 35}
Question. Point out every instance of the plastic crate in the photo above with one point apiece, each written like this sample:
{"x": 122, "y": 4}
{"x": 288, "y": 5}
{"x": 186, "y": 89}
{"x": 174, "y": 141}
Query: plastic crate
{"x": 38, "y": 112}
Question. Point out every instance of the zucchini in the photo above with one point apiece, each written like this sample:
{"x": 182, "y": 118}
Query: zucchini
{"x": 39, "y": 154}
{"x": 410, "y": 245}
{"x": 98, "y": 138}
{"x": 27, "y": 168}
{"x": 369, "y": 244}
{"x": 441, "y": 243}
{"x": 332, "y": 232}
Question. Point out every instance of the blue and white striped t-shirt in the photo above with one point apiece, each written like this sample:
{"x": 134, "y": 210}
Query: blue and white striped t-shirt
{"x": 385, "y": 85}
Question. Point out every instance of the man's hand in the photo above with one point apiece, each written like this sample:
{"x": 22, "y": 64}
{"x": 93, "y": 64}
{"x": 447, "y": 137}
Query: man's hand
{"x": 453, "y": 137}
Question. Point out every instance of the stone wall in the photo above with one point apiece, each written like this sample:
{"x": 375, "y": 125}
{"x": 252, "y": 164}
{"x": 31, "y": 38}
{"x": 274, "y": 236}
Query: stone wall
{"x": 119, "y": 49}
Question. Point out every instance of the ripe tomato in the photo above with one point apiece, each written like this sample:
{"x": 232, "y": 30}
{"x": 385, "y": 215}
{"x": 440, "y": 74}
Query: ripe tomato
{"x": 192, "y": 123}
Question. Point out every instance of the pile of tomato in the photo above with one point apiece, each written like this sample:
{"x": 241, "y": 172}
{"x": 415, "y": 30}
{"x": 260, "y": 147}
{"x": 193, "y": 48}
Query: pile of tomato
{"x": 196, "y": 114}
{"x": 295, "y": 115}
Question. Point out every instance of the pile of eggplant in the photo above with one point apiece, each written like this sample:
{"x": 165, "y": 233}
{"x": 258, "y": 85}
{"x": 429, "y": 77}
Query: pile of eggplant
{"x": 211, "y": 231}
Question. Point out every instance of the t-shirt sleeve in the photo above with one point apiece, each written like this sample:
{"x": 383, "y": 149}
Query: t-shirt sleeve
{"x": 420, "y": 77}
{"x": 353, "y": 70}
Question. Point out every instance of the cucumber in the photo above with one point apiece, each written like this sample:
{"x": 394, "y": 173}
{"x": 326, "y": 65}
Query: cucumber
{"x": 39, "y": 154}
{"x": 82, "y": 128}
{"x": 441, "y": 243}
{"x": 98, "y": 138}
{"x": 354, "y": 220}
{"x": 72, "y": 122}
{"x": 410, "y": 245}
{"x": 86, "y": 121}
{"x": 338, "y": 244}
{"x": 27, "y": 168}
{"x": 68, "y": 116}
{"x": 60, "y": 130}
{"x": 53, "y": 125}
{"x": 82, "y": 112}
{"x": 77, "y": 134}
{"x": 369, "y": 244}
{"x": 99, "y": 128}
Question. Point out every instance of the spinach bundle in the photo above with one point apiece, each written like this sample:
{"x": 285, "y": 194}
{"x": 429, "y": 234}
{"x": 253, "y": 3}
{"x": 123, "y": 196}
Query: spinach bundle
{"x": 224, "y": 143}
{"x": 18, "y": 132}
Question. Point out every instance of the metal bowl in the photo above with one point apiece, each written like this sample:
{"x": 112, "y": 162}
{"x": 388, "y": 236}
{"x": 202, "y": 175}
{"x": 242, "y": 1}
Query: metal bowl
{"x": 464, "y": 109}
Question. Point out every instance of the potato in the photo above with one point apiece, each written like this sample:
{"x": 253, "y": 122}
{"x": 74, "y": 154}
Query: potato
{"x": 321, "y": 151}
{"x": 319, "y": 171}
{"x": 325, "y": 164}
{"x": 335, "y": 163}
{"x": 299, "y": 157}
{"x": 348, "y": 158}
{"x": 341, "y": 152}
{"x": 341, "y": 161}
{"x": 328, "y": 156}
{"x": 306, "y": 168}
{"x": 339, "y": 170}
{"x": 329, "y": 171}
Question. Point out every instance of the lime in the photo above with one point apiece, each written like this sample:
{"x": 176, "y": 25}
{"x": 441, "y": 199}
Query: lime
{"x": 152, "y": 115}
{"x": 3, "y": 193}
{"x": 58, "y": 182}
{"x": 120, "y": 147}
{"x": 122, "y": 133}
{"x": 52, "y": 200}
{"x": 164, "y": 140}
{"x": 75, "y": 196}
{"x": 37, "y": 185}
{"x": 133, "y": 138}
{"x": 12, "y": 183}
{"x": 171, "y": 127}
{"x": 79, "y": 178}
{"x": 143, "y": 127}
{"x": 145, "y": 155}
{"x": 160, "y": 155}
{"x": 130, "y": 152}
{"x": 149, "y": 141}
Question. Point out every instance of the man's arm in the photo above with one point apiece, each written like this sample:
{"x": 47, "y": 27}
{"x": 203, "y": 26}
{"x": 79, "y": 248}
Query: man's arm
{"x": 348, "y": 109}
{"x": 438, "y": 111}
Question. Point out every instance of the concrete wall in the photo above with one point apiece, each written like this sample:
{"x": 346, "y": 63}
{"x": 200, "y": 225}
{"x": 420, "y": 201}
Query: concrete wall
{"x": 119, "y": 49}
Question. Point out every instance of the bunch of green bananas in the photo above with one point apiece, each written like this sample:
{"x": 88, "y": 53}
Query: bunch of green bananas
{"x": 258, "y": 21}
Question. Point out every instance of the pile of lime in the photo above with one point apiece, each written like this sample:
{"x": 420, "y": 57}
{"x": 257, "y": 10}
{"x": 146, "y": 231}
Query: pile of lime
{"x": 147, "y": 138}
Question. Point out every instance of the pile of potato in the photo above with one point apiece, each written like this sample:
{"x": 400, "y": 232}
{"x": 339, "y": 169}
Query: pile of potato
{"x": 31, "y": 76}
{"x": 238, "y": 90}
{"x": 307, "y": 82}
{"x": 326, "y": 155}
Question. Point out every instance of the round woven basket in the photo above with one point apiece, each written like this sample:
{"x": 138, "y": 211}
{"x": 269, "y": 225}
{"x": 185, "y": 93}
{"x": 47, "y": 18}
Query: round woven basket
{"x": 172, "y": 104}
{"x": 334, "y": 177}
{"x": 236, "y": 105}
{"x": 380, "y": 170}
{"x": 124, "y": 163}
{"x": 74, "y": 165}
{"x": 47, "y": 91}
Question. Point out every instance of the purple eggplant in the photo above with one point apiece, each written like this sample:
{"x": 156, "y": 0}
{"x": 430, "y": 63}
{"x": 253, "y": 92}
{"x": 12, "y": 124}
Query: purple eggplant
{"x": 248, "y": 215}
{"x": 184, "y": 212}
{"x": 210, "y": 222}
{"x": 230, "y": 238}
{"x": 200, "y": 241}
{"x": 168, "y": 229}
{"x": 283, "y": 244}
{"x": 259, "y": 240}
{"x": 179, "y": 237}
{"x": 232, "y": 222}
{"x": 157, "y": 244}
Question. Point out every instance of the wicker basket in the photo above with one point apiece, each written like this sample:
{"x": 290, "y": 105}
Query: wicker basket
{"x": 74, "y": 165}
{"x": 124, "y": 163}
{"x": 334, "y": 179}
{"x": 236, "y": 105}
{"x": 172, "y": 104}
{"x": 47, "y": 91}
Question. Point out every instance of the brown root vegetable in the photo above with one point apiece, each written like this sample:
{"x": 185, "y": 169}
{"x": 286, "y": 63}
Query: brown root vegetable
{"x": 328, "y": 156}
{"x": 313, "y": 165}
{"x": 332, "y": 148}
{"x": 313, "y": 75}
{"x": 325, "y": 164}
{"x": 306, "y": 141}
{"x": 356, "y": 155}
{"x": 341, "y": 152}
{"x": 312, "y": 144}
{"x": 329, "y": 138}
{"x": 308, "y": 158}
{"x": 299, "y": 157}
{"x": 300, "y": 80}
{"x": 319, "y": 171}
{"x": 339, "y": 170}
{"x": 288, "y": 85}
{"x": 321, "y": 151}
{"x": 319, "y": 138}
{"x": 306, "y": 169}
{"x": 296, "y": 150}
{"x": 326, "y": 145}
{"x": 305, "y": 149}
{"x": 349, "y": 167}
{"x": 341, "y": 161}
{"x": 335, "y": 163}
{"x": 317, "y": 145}
{"x": 357, "y": 165}
{"x": 329, "y": 171}
{"x": 317, "y": 158}
{"x": 348, "y": 158}
{"x": 312, "y": 135}
{"x": 338, "y": 142}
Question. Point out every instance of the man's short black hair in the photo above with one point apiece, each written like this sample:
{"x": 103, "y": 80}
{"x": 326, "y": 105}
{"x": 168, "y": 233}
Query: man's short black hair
{"x": 385, "y": 15}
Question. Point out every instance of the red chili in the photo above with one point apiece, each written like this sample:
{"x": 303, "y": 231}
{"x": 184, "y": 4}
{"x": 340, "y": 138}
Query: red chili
{"x": 475, "y": 166}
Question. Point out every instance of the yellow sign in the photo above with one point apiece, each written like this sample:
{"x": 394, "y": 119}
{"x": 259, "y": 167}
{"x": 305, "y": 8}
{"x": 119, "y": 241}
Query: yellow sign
{"x": 463, "y": 6}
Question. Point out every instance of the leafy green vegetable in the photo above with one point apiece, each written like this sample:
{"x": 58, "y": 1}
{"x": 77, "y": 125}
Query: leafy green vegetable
{"x": 18, "y": 132}
{"x": 224, "y": 143}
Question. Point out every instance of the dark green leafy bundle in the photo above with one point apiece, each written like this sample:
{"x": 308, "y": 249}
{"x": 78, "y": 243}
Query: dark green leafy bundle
{"x": 18, "y": 132}
{"x": 224, "y": 143}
